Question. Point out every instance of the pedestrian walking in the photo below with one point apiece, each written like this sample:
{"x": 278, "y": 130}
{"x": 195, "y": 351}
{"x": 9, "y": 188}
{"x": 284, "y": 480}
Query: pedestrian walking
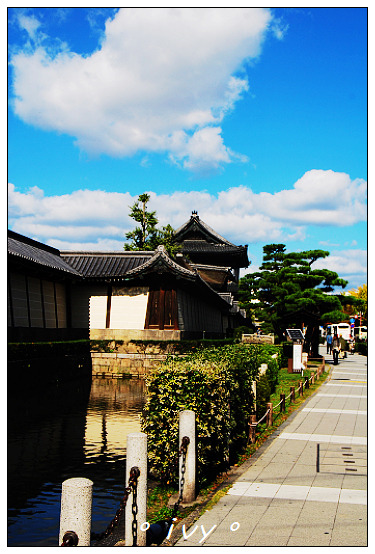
{"x": 336, "y": 347}
{"x": 329, "y": 344}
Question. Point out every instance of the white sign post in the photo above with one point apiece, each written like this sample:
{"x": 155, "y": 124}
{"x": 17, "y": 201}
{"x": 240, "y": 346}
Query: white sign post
{"x": 297, "y": 337}
{"x": 297, "y": 357}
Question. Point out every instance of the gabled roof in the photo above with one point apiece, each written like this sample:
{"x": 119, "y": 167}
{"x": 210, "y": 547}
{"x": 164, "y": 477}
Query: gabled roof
{"x": 161, "y": 263}
{"x": 199, "y": 227}
{"x": 199, "y": 240}
{"x": 36, "y": 253}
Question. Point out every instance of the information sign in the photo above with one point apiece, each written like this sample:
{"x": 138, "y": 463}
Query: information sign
{"x": 297, "y": 357}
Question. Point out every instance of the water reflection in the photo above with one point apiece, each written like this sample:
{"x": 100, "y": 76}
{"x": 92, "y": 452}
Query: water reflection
{"x": 88, "y": 440}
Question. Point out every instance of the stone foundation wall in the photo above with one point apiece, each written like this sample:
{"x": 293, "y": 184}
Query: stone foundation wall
{"x": 129, "y": 360}
{"x": 114, "y": 365}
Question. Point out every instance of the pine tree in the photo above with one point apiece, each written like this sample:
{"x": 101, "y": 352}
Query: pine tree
{"x": 286, "y": 283}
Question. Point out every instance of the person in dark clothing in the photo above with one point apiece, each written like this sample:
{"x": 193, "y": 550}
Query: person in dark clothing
{"x": 329, "y": 344}
{"x": 336, "y": 347}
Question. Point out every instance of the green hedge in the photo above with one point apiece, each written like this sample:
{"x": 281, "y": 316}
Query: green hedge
{"x": 32, "y": 350}
{"x": 217, "y": 385}
{"x": 361, "y": 347}
{"x": 183, "y": 346}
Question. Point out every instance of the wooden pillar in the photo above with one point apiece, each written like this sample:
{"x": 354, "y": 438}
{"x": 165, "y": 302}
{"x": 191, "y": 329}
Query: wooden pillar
{"x": 269, "y": 418}
{"x": 293, "y": 395}
{"x": 252, "y": 428}
{"x": 282, "y": 405}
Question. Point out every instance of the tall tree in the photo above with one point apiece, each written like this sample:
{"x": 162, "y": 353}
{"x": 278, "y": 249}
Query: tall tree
{"x": 142, "y": 236}
{"x": 146, "y": 236}
{"x": 286, "y": 283}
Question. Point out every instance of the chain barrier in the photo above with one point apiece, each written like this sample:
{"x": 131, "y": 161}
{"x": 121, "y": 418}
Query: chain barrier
{"x": 158, "y": 531}
{"x": 255, "y": 423}
{"x": 132, "y": 487}
{"x": 70, "y": 539}
{"x": 135, "y": 512}
{"x": 183, "y": 450}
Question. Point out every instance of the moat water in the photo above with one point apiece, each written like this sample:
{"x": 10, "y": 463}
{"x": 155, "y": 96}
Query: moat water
{"x": 77, "y": 431}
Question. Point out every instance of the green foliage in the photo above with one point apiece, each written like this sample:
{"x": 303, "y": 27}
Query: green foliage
{"x": 286, "y": 283}
{"x": 242, "y": 330}
{"x": 147, "y": 236}
{"x": 32, "y": 350}
{"x": 263, "y": 395}
{"x": 274, "y": 363}
{"x": 217, "y": 385}
{"x": 181, "y": 346}
{"x": 143, "y": 235}
{"x": 361, "y": 347}
{"x": 105, "y": 345}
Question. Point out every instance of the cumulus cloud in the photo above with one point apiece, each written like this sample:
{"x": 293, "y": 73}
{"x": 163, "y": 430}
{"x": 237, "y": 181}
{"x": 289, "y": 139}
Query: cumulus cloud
{"x": 320, "y": 198}
{"x": 345, "y": 262}
{"x": 239, "y": 214}
{"x": 161, "y": 80}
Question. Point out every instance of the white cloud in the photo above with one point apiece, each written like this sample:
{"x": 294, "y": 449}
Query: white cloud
{"x": 239, "y": 214}
{"x": 161, "y": 80}
{"x": 345, "y": 262}
{"x": 30, "y": 24}
{"x": 320, "y": 198}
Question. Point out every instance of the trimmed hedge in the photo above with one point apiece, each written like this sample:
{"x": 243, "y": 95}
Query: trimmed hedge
{"x": 217, "y": 385}
{"x": 183, "y": 346}
{"x": 32, "y": 350}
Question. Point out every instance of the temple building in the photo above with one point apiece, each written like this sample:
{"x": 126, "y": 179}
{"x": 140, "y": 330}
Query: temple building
{"x": 217, "y": 260}
{"x": 126, "y": 295}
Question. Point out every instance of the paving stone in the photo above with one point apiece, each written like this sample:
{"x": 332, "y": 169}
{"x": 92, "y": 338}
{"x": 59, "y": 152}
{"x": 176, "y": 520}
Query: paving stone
{"x": 281, "y": 500}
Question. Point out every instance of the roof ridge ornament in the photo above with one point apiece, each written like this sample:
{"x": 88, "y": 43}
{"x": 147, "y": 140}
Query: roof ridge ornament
{"x": 194, "y": 215}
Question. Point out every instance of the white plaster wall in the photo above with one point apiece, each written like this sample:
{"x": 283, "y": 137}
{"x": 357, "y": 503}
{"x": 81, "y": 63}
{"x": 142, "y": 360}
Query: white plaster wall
{"x": 128, "y": 312}
{"x": 98, "y": 312}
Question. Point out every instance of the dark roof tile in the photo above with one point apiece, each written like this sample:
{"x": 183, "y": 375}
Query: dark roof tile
{"x": 37, "y": 253}
{"x": 105, "y": 264}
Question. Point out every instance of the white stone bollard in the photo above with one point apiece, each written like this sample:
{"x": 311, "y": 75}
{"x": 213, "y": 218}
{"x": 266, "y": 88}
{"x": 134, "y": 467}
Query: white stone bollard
{"x": 136, "y": 456}
{"x": 187, "y": 429}
{"x": 76, "y": 507}
{"x": 263, "y": 369}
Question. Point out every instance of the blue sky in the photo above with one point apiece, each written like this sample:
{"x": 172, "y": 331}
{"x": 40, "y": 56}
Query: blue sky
{"x": 254, "y": 117}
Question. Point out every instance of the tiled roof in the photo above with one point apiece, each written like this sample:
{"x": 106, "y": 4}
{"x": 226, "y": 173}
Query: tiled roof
{"x": 203, "y": 246}
{"x": 196, "y": 224}
{"x": 159, "y": 260}
{"x": 198, "y": 239}
{"x": 37, "y": 253}
{"x": 105, "y": 264}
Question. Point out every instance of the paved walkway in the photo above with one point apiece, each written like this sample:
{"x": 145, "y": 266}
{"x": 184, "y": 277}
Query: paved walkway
{"x": 282, "y": 499}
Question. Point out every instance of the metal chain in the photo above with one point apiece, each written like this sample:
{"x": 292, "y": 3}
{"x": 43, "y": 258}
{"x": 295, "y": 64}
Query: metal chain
{"x": 134, "y": 474}
{"x": 183, "y": 450}
{"x": 134, "y": 512}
